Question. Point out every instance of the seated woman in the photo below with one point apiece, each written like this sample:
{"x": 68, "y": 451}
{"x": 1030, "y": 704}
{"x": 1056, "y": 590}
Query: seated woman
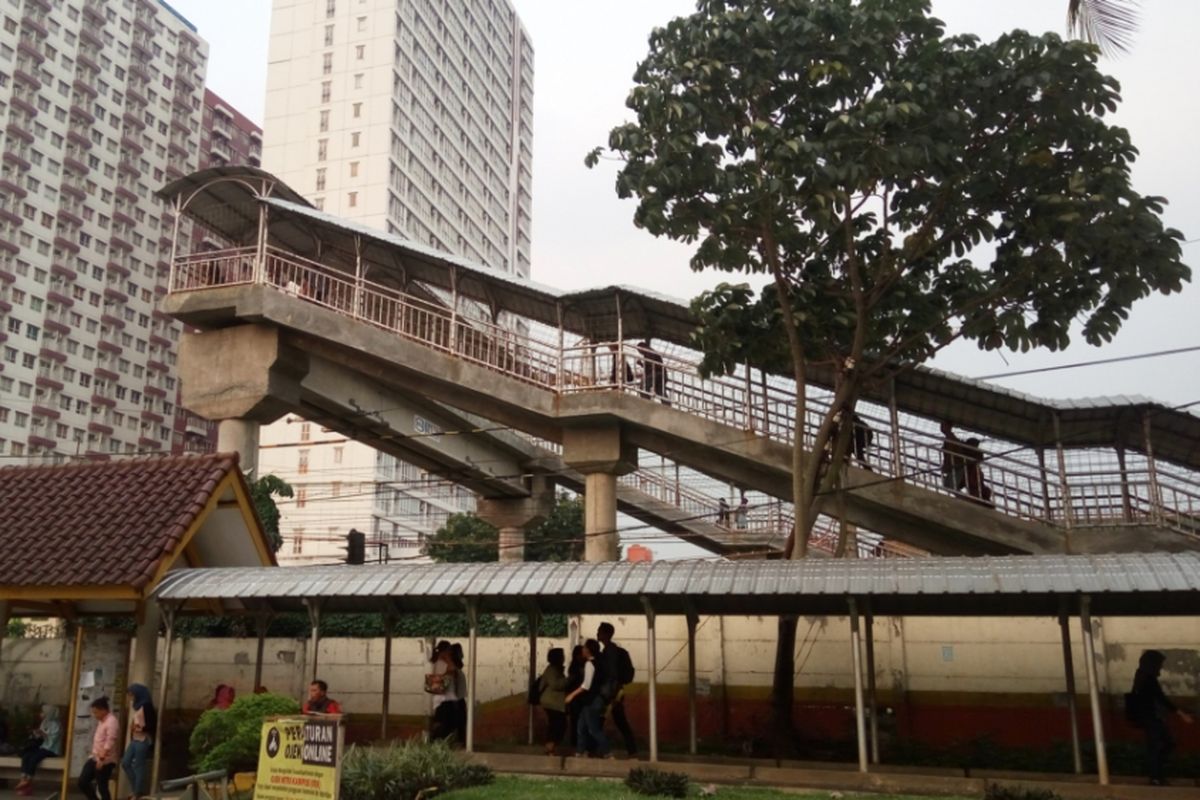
{"x": 45, "y": 742}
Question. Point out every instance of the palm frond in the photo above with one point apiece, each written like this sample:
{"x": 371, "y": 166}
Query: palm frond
{"x": 1110, "y": 24}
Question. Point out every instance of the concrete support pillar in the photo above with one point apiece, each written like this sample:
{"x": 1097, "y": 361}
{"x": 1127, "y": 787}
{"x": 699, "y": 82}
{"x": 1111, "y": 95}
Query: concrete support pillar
{"x": 692, "y": 621}
{"x": 1089, "y": 654}
{"x": 652, "y": 668}
{"x": 600, "y": 517}
{"x": 145, "y": 644}
{"x": 1069, "y": 668}
{"x": 472, "y": 660}
{"x": 512, "y": 516}
{"x": 860, "y": 725}
{"x": 602, "y": 455}
{"x": 240, "y": 436}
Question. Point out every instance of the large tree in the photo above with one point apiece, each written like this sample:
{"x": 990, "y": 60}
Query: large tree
{"x": 898, "y": 188}
{"x": 263, "y": 492}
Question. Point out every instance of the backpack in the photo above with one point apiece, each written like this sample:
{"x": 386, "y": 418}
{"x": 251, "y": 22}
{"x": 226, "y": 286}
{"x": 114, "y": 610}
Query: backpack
{"x": 625, "y": 671}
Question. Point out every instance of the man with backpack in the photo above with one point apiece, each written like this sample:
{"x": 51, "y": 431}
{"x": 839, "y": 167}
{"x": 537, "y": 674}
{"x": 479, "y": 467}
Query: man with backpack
{"x": 617, "y": 673}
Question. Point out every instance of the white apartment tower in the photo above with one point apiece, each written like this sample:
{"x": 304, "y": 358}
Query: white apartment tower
{"x": 100, "y": 105}
{"x": 414, "y": 117}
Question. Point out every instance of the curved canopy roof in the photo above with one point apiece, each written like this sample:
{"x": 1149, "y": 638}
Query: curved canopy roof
{"x": 1119, "y": 585}
{"x": 229, "y": 199}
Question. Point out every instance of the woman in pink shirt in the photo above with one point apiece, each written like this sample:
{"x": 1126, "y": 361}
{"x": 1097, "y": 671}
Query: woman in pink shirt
{"x": 93, "y": 780}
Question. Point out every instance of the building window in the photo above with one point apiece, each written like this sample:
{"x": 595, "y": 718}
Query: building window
{"x": 324, "y": 120}
{"x": 319, "y": 203}
{"x": 328, "y": 35}
{"x": 327, "y": 64}
{"x": 306, "y": 427}
{"x": 360, "y": 51}
{"x": 337, "y": 454}
{"x": 322, "y": 149}
{"x": 335, "y": 488}
{"x": 358, "y": 81}
{"x": 357, "y": 110}
{"x": 298, "y": 541}
{"x": 326, "y": 91}
{"x": 362, "y": 23}
{"x": 302, "y": 463}
{"x": 320, "y": 188}
{"x": 355, "y": 138}
{"x": 352, "y": 200}
{"x": 353, "y": 169}
{"x": 330, "y": 8}
{"x": 301, "y": 497}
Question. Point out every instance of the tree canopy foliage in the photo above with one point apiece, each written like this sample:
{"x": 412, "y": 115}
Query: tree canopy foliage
{"x": 263, "y": 492}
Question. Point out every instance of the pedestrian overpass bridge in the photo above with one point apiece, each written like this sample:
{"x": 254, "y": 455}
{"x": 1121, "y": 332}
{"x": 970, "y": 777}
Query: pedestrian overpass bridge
{"x": 364, "y": 332}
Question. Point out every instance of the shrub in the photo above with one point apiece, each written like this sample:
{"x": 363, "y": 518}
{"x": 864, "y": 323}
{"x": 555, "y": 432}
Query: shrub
{"x": 404, "y": 771}
{"x": 656, "y": 782}
{"x": 229, "y": 740}
{"x": 996, "y": 791}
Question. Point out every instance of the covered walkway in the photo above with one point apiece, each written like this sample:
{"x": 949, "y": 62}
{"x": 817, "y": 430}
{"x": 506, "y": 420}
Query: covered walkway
{"x": 1062, "y": 587}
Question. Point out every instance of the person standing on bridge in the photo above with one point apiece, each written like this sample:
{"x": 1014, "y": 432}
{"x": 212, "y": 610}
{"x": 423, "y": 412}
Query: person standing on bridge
{"x": 618, "y": 358}
{"x": 954, "y": 459}
{"x": 654, "y": 372}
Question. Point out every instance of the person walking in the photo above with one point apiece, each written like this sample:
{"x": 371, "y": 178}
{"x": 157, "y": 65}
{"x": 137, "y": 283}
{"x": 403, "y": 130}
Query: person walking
{"x": 741, "y": 517}
{"x": 319, "y": 701}
{"x": 143, "y": 722}
{"x": 1148, "y": 709}
{"x": 443, "y": 721}
{"x": 46, "y": 742}
{"x": 723, "y": 512}
{"x": 552, "y": 694}
{"x": 590, "y": 738}
{"x": 98, "y": 769}
{"x": 574, "y": 706}
{"x": 618, "y": 672}
{"x": 954, "y": 459}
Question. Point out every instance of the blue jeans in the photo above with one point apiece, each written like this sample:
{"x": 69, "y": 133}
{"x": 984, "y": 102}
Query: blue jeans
{"x": 136, "y": 764}
{"x": 590, "y": 734}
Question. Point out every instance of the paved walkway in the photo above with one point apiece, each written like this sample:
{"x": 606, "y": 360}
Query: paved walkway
{"x": 842, "y": 777}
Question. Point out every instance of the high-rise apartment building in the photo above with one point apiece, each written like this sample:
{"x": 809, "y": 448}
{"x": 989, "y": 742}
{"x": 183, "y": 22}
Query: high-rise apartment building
{"x": 415, "y": 117}
{"x": 101, "y": 105}
{"x": 227, "y": 136}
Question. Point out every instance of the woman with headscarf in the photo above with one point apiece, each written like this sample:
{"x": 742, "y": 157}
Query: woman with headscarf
{"x": 441, "y": 682}
{"x": 1149, "y": 712}
{"x": 143, "y": 723}
{"x": 45, "y": 742}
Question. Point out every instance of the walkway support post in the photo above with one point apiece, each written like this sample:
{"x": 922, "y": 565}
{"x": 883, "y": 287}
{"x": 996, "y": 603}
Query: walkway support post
{"x": 1156, "y": 504}
{"x": 1063, "y": 487}
{"x": 261, "y": 620}
{"x": 692, "y": 621}
{"x": 601, "y": 453}
{"x": 356, "y": 312}
{"x": 314, "y": 638}
{"x": 177, "y": 211}
{"x": 619, "y": 366}
{"x": 260, "y": 246}
{"x": 472, "y": 639}
{"x": 1047, "y": 511}
{"x": 72, "y": 710}
{"x": 652, "y": 668}
{"x": 1069, "y": 666}
{"x": 168, "y": 617}
{"x": 872, "y": 704}
{"x": 389, "y": 628}
{"x": 1089, "y": 653}
{"x": 535, "y": 619}
{"x": 856, "y": 658}
{"x": 1126, "y": 502}
{"x": 558, "y": 312}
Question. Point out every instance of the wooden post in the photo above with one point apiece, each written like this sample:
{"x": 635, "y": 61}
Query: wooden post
{"x": 1089, "y": 653}
{"x": 872, "y": 704}
{"x": 652, "y": 668}
{"x": 1069, "y": 667}
{"x": 72, "y": 709}
{"x": 168, "y": 616}
{"x": 472, "y": 650}
{"x": 1126, "y": 502}
{"x": 314, "y": 638}
{"x": 856, "y": 659}
{"x": 261, "y": 620}
{"x": 1156, "y": 503}
{"x": 1063, "y": 487}
{"x": 534, "y": 618}
{"x": 389, "y": 626}
{"x": 692, "y": 621}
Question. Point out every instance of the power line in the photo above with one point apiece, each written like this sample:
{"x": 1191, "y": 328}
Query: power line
{"x": 1094, "y": 363}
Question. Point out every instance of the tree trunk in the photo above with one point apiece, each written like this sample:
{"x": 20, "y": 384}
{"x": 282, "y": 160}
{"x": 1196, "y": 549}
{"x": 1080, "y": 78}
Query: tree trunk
{"x": 783, "y": 694}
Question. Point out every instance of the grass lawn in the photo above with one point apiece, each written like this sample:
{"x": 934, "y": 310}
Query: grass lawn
{"x": 511, "y": 787}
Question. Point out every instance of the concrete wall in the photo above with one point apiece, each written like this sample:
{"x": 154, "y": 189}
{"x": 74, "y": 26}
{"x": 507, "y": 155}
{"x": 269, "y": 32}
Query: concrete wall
{"x": 940, "y": 680}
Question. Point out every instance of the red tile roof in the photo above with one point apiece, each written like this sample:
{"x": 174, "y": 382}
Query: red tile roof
{"x": 102, "y": 523}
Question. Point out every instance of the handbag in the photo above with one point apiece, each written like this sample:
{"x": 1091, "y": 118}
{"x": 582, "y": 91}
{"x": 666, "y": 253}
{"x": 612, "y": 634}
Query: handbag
{"x": 435, "y": 683}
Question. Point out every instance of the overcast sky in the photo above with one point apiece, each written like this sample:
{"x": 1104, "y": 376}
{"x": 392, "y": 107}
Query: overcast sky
{"x": 583, "y": 235}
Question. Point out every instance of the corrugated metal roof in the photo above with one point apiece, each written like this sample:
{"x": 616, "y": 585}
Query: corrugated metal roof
{"x": 230, "y": 207}
{"x": 1120, "y": 585}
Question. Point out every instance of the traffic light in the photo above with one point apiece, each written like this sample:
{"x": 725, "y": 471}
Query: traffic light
{"x": 356, "y": 547}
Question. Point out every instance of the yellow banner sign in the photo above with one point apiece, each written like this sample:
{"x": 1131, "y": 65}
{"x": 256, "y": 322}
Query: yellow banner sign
{"x": 299, "y": 757}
